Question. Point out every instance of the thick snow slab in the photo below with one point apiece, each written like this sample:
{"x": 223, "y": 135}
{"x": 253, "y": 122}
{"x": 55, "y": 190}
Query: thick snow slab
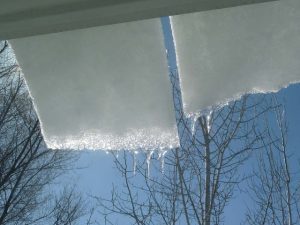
{"x": 224, "y": 53}
{"x": 101, "y": 88}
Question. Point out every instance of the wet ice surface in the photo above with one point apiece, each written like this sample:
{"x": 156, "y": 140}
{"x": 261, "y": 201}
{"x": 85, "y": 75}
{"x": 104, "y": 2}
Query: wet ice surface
{"x": 225, "y": 53}
{"x": 101, "y": 88}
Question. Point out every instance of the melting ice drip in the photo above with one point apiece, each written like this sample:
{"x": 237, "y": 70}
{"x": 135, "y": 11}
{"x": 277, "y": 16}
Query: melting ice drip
{"x": 149, "y": 156}
{"x": 135, "y": 142}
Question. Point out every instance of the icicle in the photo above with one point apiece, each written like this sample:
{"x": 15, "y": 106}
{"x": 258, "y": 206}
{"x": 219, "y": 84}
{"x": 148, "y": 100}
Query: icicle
{"x": 149, "y": 154}
{"x": 161, "y": 157}
{"x": 115, "y": 152}
{"x": 193, "y": 120}
{"x": 208, "y": 118}
{"x": 134, "y": 161}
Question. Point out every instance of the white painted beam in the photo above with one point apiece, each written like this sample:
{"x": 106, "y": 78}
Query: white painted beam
{"x": 19, "y": 18}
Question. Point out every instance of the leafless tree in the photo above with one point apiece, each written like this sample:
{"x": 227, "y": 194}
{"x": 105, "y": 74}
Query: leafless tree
{"x": 27, "y": 166}
{"x": 199, "y": 177}
{"x": 274, "y": 187}
{"x": 69, "y": 208}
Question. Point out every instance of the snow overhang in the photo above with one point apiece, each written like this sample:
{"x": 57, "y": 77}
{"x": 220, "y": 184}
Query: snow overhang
{"x": 104, "y": 87}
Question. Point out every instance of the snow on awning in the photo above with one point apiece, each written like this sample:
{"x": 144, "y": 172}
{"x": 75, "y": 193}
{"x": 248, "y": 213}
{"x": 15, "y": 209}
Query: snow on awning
{"x": 101, "y": 88}
{"x": 108, "y": 87}
{"x": 225, "y": 53}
